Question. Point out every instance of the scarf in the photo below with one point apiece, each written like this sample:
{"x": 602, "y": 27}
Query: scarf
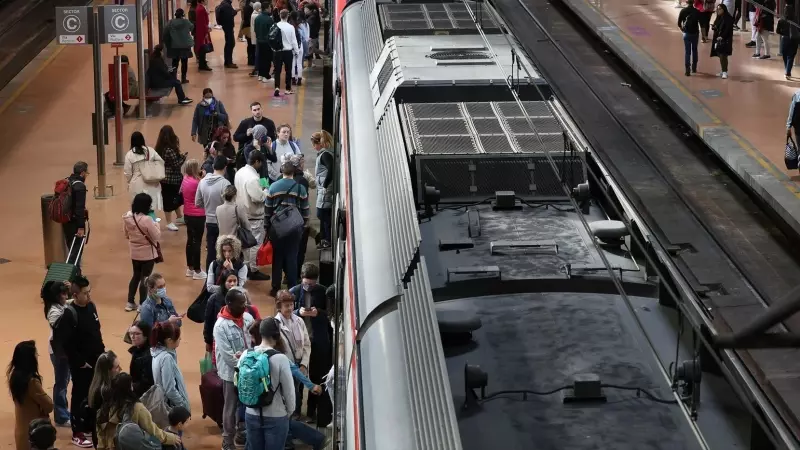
{"x": 226, "y": 314}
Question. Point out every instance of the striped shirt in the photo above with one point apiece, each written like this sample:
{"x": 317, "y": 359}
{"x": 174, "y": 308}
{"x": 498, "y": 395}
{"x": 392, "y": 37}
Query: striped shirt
{"x": 283, "y": 193}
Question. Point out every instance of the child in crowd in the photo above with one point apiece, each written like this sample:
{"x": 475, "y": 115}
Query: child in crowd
{"x": 177, "y": 421}
{"x": 42, "y": 434}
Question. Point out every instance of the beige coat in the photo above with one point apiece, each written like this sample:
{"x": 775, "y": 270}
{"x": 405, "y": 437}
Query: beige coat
{"x": 137, "y": 185}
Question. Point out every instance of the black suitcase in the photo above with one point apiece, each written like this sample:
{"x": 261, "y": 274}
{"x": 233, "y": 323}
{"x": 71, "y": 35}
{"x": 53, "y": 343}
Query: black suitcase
{"x": 66, "y": 271}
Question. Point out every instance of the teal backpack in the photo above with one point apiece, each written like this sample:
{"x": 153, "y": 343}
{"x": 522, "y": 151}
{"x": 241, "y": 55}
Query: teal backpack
{"x": 252, "y": 379}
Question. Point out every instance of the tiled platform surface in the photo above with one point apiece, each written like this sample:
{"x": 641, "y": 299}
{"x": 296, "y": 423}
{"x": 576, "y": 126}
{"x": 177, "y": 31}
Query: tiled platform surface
{"x": 742, "y": 118}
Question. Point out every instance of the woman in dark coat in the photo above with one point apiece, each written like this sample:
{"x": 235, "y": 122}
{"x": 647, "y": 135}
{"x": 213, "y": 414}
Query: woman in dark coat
{"x": 209, "y": 115}
{"x": 160, "y": 77}
{"x": 179, "y": 42}
{"x": 790, "y": 37}
{"x": 722, "y": 43}
{"x": 141, "y": 369}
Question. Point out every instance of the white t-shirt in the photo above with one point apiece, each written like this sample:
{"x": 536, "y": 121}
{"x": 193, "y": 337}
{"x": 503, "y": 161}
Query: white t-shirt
{"x": 289, "y": 36}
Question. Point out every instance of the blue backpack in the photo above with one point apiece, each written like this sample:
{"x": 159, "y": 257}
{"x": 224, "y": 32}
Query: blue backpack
{"x": 252, "y": 379}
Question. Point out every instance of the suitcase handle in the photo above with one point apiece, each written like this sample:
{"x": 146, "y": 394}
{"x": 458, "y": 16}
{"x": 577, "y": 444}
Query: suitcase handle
{"x": 80, "y": 249}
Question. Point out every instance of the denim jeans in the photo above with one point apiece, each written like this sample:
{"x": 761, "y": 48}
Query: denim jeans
{"x": 306, "y": 434}
{"x": 690, "y": 49}
{"x": 61, "y": 374}
{"x": 266, "y": 432}
{"x": 284, "y": 259}
{"x": 788, "y": 51}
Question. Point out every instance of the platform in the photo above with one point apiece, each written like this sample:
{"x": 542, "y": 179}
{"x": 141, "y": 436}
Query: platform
{"x": 742, "y": 119}
{"x": 46, "y": 117}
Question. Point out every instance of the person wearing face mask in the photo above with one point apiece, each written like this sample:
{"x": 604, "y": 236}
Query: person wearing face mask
{"x": 164, "y": 340}
{"x": 141, "y": 368}
{"x": 312, "y": 306}
{"x": 230, "y": 342}
{"x": 284, "y": 145}
{"x": 158, "y": 307}
{"x": 79, "y": 331}
{"x": 209, "y": 115}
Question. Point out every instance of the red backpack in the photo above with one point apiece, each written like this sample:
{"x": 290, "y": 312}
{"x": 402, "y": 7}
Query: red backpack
{"x": 61, "y": 206}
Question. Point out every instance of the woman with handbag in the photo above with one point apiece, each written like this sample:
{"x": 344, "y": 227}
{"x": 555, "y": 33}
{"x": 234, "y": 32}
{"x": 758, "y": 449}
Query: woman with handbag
{"x": 168, "y": 148}
{"x": 722, "y": 43}
{"x": 229, "y": 218}
{"x": 143, "y": 235}
{"x": 202, "y": 35}
{"x": 144, "y": 170}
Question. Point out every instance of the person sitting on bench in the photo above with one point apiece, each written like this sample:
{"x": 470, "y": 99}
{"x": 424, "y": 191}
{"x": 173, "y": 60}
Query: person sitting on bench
{"x": 160, "y": 76}
{"x": 133, "y": 91}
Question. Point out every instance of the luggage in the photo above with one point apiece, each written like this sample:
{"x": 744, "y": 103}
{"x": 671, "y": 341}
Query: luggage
{"x": 211, "y": 396}
{"x": 66, "y": 271}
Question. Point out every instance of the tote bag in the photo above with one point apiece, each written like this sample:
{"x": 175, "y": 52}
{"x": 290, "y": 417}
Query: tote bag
{"x": 152, "y": 170}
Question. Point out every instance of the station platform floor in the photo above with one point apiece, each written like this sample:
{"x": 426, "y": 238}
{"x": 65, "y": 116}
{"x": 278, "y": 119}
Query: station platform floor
{"x": 46, "y": 128}
{"x": 742, "y": 118}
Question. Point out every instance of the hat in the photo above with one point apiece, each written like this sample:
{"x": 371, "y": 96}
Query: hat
{"x": 259, "y": 131}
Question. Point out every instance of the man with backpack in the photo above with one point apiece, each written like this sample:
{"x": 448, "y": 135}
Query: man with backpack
{"x": 262, "y": 25}
{"x": 280, "y": 147}
{"x": 69, "y": 206}
{"x": 230, "y": 342}
{"x": 689, "y": 23}
{"x": 78, "y": 333}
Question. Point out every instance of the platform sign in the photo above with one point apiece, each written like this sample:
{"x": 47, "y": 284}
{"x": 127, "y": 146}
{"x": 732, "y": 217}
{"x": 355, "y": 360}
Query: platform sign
{"x": 118, "y": 24}
{"x": 73, "y": 26}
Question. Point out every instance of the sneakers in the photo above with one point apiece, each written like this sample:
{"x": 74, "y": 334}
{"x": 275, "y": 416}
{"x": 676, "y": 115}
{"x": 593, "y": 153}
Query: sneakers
{"x": 765, "y": 57}
{"x": 217, "y": 27}
{"x": 65, "y": 424}
{"x": 256, "y": 275}
{"x": 172, "y": 227}
{"x": 129, "y": 308}
{"x": 288, "y": 92}
{"x": 185, "y": 101}
{"x": 80, "y": 440}
{"x": 750, "y": 44}
{"x": 189, "y": 273}
{"x": 199, "y": 275}
{"x": 264, "y": 79}
{"x": 724, "y": 75}
{"x": 277, "y": 93}
{"x": 240, "y": 440}
{"x": 231, "y": 66}
{"x": 756, "y": 55}
{"x": 299, "y": 81}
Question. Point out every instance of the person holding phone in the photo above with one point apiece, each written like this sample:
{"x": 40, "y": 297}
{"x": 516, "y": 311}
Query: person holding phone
{"x": 158, "y": 307}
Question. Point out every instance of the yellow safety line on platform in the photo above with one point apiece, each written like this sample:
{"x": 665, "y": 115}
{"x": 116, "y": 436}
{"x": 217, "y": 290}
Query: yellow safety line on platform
{"x": 790, "y": 185}
{"x": 18, "y": 91}
{"x": 298, "y": 113}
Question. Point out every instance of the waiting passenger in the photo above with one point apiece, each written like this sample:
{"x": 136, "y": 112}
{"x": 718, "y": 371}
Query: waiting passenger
{"x": 252, "y": 42}
{"x": 158, "y": 307}
{"x": 322, "y": 141}
{"x": 168, "y": 148}
{"x": 160, "y": 76}
{"x": 122, "y": 402}
{"x": 244, "y": 132}
{"x": 228, "y": 257}
{"x": 263, "y": 144}
{"x": 723, "y": 39}
{"x": 765, "y": 24}
{"x": 285, "y": 56}
{"x": 226, "y": 17}
{"x": 55, "y": 295}
{"x": 790, "y": 38}
{"x": 688, "y": 22}
{"x": 209, "y": 115}
{"x": 295, "y": 334}
{"x": 141, "y": 368}
{"x": 178, "y": 417}
{"x": 76, "y": 227}
{"x": 134, "y": 162}
{"x": 208, "y": 197}
{"x": 133, "y": 91}
{"x": 285, "y": 193}
{"x": 306, "y": 180}
{"x": 106, "y": 368}
{"x": 250, "y": 196}
{"x": 195, "y": 218}
{"x": 202, "y": 35}
{"x": 282, "y": 146}
{"x": 264, "y": 53}
{"x": 143, "y": 235}
{"x": 25, "y": 383}
{"x": 223, "y": 145}
{"x": 228, "y": 279}
{"x": 165, "y": 339}
{"x": 229, "y": 217}
{"x": 178, "y": 40}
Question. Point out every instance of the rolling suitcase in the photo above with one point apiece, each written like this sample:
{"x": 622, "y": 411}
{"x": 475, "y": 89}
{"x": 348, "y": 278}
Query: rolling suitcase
{"x": 66, "y": 271}
{"x": 211, "y": 396}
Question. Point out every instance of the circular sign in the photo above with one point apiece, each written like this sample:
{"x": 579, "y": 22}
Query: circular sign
{"x": 71, "y": 24}
{"x": 120, "y": 22}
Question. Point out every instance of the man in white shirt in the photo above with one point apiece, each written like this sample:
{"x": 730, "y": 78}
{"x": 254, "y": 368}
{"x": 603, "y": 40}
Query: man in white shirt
{"x": 250, "y": 197}
{"x": 284, "y": 58}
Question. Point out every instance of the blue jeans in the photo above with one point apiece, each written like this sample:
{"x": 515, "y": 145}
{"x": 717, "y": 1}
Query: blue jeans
{"x": 690, "y": 49}
{"x": 307, "y": 434}
{"x": 61, "y": 371}
{"x": 266, "y": 433}
{"x": 788, "y": 51}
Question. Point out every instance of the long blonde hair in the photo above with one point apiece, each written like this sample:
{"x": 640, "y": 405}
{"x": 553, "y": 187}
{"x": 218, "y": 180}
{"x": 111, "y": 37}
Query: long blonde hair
{"x": 102, "y": 375}
{"x": 192, "y": 168}
{"x": 323, "y": 139}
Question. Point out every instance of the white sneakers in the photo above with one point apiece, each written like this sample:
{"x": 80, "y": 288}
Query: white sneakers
{"x": 172, "y": 227}
{"x": 724, "y": 75}
{"x": 196, "y": 275}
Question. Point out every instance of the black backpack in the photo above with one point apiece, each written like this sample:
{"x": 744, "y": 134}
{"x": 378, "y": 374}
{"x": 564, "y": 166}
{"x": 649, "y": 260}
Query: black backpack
{"x": 275, "y": 38}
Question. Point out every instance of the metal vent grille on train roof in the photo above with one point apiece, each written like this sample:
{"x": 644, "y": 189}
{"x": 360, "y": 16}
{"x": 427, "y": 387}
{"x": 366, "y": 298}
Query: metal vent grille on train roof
{"x": 488, "y": 128}
{"x": 458, "y": 54}
{"x": 434, "y": 16}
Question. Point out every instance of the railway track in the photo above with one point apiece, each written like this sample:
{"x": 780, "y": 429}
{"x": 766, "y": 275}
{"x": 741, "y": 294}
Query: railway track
{"x": 730, "y": 248}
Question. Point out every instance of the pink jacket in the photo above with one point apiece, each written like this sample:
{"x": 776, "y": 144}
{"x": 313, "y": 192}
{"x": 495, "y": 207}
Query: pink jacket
{"x": 189, "y": 189}
{"x": 140, "y": 247}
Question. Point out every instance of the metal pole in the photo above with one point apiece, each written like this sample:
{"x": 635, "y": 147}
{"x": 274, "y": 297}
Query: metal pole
{"x": 98, "y": 108}
{"x": 162, "y": 12}
{"x": 118, "y": 116}
{"x": 140, "y": 61}
{"x": 150, "y": 29}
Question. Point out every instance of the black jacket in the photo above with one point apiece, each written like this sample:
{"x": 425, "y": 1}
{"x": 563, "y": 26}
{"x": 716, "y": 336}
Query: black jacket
{"x": 225, "y": 15}
{"x": 141, "y": 369}
{"x": 213, "y": 307}
{"x": 82, "y": 340}
{"x": 247, "y": 14}
{"x": 314, "y": 24}
{"x": 688, "y": 20}
{"x": 78, "y": 207}
{"x": 321, "y": 331}
{"x": 723, "y": 29}
{"x": 240, "y": 135}
{"x": 158, "y": 75}
{"x": 767, "y": 20}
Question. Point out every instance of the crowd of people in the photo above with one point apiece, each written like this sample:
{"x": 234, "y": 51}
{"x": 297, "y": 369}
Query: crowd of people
{"x": 694, "y": 21}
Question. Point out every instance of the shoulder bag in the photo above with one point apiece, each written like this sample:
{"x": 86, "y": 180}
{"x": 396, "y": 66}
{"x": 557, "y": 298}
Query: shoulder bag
{"x": 152, "y": 170}
{"x": 157, "y": 246}
{"x": 243, "y": 233}
{"x": 287, "y": 221}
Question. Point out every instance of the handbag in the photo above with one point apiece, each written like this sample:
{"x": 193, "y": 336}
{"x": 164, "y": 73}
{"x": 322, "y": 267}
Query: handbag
{"x": 264, "y": 255}
{"x": 790, "y": 155}
{"x": 152, "y": 170}
{"x": 287, "y": 221}
{"x": 206, "y": 364}
{"x": 244, "y": 235}
{"x": 127, "y": 337}
{"x": 159, "y": 256}
{"x": 156, "y": 402}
